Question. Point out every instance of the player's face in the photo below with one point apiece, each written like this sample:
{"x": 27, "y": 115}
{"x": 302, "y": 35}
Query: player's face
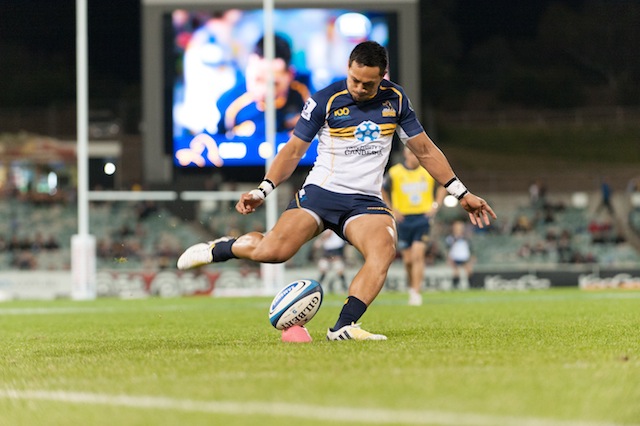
{"x": 363, "y": 81}
{"x": 256, "y": 75}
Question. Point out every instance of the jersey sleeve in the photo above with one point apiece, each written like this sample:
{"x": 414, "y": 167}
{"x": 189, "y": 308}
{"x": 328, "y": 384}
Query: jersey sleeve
{"x": 311, "y": 120}
{"x": 408, "y": 125}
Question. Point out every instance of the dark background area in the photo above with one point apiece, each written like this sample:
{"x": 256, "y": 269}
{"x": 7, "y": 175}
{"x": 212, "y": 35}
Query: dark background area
{"x": 475, "y": 54}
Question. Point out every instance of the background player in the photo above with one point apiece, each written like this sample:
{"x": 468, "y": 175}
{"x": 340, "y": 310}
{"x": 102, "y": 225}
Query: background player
{"x": 331, "y": 248}
{"x": 460, "y": 255}
{"x": 410, "y": 190}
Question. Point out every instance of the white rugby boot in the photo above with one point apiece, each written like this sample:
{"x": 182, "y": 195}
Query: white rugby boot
{"x": 415, "y": 298}
{"x": 353, "y": 332}
{"x": 198, "y": 254}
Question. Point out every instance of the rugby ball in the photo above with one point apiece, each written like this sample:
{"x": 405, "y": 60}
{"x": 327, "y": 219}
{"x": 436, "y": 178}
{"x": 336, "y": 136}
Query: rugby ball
{"x": 295, "y": 304}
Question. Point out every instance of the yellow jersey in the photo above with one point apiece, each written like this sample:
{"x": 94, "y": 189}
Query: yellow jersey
{"x": 412, "y": 191}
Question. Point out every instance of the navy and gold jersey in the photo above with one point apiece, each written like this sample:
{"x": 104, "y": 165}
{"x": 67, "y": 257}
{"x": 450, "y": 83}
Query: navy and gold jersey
{"x": 354, "y": 138}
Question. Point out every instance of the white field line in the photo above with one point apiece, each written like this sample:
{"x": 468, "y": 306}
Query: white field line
{"x": 88, "y": 310}
{"x": 306, "y": 411}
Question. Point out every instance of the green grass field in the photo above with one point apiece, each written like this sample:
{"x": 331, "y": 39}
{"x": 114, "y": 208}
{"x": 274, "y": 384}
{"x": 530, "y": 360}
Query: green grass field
{"x": 557, "y": 357}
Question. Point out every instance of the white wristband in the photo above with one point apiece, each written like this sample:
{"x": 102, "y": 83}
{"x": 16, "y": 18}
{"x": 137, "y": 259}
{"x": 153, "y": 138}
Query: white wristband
{"x": 267, "y": 186}
{"x": 456, "y": 188}
{"x": 264, "y": 189}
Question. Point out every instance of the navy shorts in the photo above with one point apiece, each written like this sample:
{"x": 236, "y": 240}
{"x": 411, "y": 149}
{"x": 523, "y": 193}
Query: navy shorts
{"x": 333, "y": 210}
{"x": 414, "y": 227}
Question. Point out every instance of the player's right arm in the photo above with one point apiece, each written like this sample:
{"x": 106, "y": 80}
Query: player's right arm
{"x": 287, "y": 159}
{"x": 281, "y": 169}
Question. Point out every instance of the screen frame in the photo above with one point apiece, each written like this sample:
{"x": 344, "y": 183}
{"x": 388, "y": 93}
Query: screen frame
{"x": 172, "y": 76}
{"x": 158, "y": 165}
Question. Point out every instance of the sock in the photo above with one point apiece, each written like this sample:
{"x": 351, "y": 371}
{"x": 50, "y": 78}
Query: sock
{"x": 222, "y": 251}
{"x": 351, "y": 312}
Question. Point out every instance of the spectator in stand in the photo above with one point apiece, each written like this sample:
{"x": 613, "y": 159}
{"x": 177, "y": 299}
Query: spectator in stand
{"x": 564, "y": 247}
{"x": 14, "y": 243}
{"x": 534, "y": 193}
{"x": 51, "y": 243}
{"x": 537, "y": 193}
{"x": 522, "y": 225}
{"x": 606, "y": 192}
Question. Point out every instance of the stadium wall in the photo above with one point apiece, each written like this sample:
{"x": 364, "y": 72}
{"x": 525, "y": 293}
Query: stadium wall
{"x": 50, "y": 285}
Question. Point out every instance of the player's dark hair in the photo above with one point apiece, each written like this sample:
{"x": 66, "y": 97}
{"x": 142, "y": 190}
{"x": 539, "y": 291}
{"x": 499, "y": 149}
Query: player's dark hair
{"x": 370, "y": 54}
{"x": 282, "y": 48}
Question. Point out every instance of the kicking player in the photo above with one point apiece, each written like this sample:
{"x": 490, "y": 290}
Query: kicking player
{"x": 355, "y": 120}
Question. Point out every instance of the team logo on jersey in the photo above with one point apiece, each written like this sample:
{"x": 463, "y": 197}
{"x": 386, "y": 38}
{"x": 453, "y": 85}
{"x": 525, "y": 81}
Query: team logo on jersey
{"x": 367, "y": 131}
{"x": 309, "y": 106}
{"x": 341, "y": 113}
{"x": 388, "y": 110}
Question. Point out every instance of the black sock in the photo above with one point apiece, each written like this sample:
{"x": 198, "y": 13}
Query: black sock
{"x": 351, "y": 312}
{"x": 222, "y": 251}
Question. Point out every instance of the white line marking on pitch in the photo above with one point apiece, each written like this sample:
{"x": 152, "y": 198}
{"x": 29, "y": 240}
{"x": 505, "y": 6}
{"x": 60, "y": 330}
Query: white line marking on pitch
{"x": 84, "y": 310}
{"x": 339, "y": 414}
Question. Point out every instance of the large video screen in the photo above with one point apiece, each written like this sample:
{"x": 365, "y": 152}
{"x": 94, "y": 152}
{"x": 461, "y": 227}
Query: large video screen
{"x": 217, "y": 73}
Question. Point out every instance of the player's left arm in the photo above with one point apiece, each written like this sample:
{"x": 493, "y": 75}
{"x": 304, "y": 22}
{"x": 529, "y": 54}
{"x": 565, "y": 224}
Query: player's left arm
{"x": 435, "y": 162}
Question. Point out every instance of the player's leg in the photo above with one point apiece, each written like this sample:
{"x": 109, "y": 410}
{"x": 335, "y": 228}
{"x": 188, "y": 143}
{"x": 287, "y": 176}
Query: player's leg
{"x": 416, "y": 253}
{"x": 323, "y": 268}
{"x": 291, "y": 231}
{"x": 406, "y": 262}
{"x": 374, "y": 237}
{"x": 339, "y": 268}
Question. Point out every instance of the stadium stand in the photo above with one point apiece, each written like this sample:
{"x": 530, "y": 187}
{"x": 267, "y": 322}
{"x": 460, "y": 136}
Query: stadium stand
{"x": 146, "y": 236}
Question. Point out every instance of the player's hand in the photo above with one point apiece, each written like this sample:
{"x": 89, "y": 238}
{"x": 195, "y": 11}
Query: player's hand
{"x": 479, "y": 210}
{"x": 248, "y": 203}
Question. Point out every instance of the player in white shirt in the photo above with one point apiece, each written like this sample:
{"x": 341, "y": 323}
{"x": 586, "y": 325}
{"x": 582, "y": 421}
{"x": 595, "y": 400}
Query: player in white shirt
{"x": 355, "y": 120}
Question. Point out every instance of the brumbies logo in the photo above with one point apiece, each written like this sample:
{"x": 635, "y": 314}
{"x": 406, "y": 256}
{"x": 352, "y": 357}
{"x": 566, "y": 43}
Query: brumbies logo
{"x": 388, "y": 110}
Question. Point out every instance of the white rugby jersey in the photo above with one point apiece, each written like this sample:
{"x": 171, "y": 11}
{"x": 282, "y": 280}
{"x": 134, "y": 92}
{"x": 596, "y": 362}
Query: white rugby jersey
{"x": 355, "y": 138}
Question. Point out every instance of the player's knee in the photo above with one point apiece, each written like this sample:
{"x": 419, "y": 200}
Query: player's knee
{"x": 385, "y": 254}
